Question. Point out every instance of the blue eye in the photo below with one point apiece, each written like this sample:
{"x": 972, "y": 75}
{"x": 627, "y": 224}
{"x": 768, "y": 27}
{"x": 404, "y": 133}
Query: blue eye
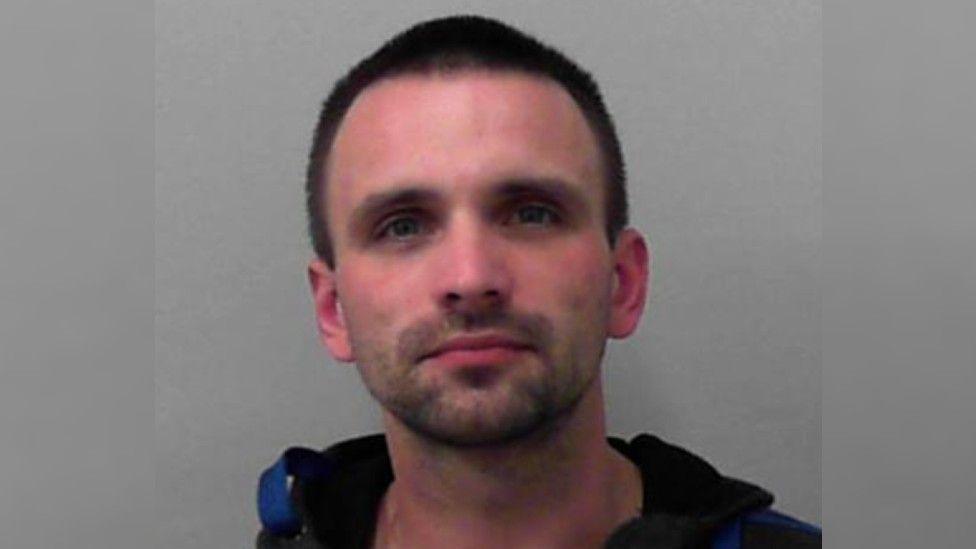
{"x": 400, "y": 228}
{"x": 535, "y": 214}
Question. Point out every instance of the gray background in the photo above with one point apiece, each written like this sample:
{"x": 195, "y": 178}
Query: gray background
{"x": 76, "y": 277}
{"x": 719, "y": 109}
{"x": 899, "y": 300}
{"x": 76, "y": 286}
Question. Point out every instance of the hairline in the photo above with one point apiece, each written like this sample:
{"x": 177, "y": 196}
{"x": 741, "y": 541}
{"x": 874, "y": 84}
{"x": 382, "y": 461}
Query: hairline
{"x": 432, "y": 70}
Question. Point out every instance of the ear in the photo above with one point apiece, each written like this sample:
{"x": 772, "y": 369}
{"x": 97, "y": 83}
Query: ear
{"x": 328, "y": 311}
{"x": 631, "y": 284}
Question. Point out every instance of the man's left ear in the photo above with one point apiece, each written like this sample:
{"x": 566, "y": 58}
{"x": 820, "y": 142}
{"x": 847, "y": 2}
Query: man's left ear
{"x": 631, "y": 283}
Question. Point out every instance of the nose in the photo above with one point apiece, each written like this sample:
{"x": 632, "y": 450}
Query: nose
{"x": 473, "y": 271}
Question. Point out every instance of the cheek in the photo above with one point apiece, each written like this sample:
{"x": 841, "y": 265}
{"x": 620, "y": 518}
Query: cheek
{"x": 371, "y": 290}
{"x": 371, "y": 302}
{"x": 590, "y": 298}
{"x": 575, "y": 282}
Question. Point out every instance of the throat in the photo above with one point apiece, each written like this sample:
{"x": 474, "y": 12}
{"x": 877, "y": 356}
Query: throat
{"x": 571, "y": 512}
{"x": 562, "y": 487}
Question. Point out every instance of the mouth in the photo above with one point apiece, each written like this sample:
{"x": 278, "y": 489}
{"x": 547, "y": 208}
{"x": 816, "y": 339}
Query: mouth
{"x": 486, "y": 350}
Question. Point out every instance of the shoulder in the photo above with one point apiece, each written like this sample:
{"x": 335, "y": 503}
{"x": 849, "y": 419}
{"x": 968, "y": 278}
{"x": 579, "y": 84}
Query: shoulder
{"x": 688, "y": 503}
{"x": 767, "y": 529}
{"x": 312, "y": 499}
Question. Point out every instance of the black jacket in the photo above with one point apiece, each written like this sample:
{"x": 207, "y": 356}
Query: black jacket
{"x": 334, "y": 497}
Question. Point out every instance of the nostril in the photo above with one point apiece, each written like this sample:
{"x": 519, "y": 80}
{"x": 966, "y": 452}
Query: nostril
{"x": 475, "y": 301}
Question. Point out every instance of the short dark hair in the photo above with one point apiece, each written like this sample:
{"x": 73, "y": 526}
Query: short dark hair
{"x": 454, "y": 44}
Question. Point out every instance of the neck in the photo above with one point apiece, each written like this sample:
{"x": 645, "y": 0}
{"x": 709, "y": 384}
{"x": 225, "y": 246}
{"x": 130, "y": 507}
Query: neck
{"x": 563, "y": 487}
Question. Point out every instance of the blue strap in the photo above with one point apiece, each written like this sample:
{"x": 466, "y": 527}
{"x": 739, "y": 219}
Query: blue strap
{"x": 730, "y": 536}
{"x": 275, "y": 507}
{"x": 768, "y": 516}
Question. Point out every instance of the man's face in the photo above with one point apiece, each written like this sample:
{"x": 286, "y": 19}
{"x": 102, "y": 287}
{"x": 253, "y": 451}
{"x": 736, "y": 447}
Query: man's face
{"x": 474, "y": 285}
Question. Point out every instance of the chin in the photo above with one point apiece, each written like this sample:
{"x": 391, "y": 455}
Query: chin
{"x": 487, "y": 418}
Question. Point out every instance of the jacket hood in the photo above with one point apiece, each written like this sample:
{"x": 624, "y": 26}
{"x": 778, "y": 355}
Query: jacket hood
{"x": 685, "y": 499}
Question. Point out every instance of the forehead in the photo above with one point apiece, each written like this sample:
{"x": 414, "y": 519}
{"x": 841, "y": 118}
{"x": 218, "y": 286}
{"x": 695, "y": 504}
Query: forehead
{"x": 457, "y": 130}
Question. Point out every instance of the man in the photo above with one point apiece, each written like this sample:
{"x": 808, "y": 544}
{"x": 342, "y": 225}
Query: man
{"x": 467, "y": 208}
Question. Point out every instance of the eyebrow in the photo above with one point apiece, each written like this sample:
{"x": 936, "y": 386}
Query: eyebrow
{"x": 384, "y": 200}
{"x": 557, "y": 189}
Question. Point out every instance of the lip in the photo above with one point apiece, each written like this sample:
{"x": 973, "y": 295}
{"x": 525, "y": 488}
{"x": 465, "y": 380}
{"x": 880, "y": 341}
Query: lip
{"x": 478, "y": 350}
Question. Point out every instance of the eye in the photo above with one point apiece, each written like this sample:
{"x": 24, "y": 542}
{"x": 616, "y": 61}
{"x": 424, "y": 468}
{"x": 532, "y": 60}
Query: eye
{"x": 536, "y": 214}
{"x": 400, "y": 228}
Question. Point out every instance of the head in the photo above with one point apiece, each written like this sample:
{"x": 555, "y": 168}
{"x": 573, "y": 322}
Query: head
{"x": 473, "y": 271}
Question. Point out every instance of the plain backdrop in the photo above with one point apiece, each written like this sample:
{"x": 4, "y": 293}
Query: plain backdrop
{"x": 239, "y": 374}
{"x": 718, "y": 106}
{"x": 899, "y": 300}
{"x": 76, "y": 284}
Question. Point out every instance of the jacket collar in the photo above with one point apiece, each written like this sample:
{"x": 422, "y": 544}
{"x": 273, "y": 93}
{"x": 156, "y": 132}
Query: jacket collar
{"x": 685, "y": 498}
